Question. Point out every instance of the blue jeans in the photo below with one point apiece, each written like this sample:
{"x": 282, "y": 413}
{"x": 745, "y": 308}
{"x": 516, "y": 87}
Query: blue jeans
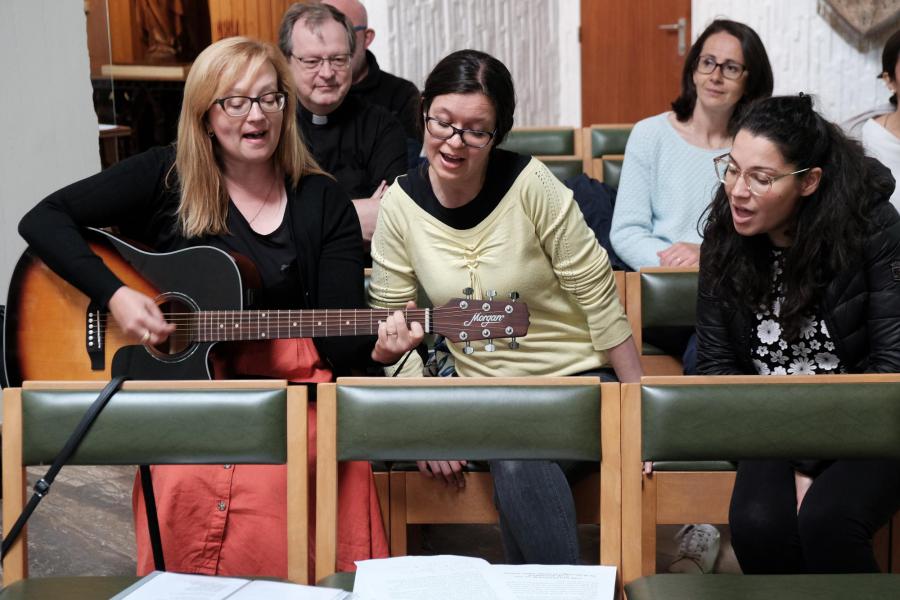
{"x": 537, "y": 511}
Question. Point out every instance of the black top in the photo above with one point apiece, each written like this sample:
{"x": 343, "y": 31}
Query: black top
{"x": 274, "y": 255}
{"x": 140, "y": 196}
{"x": 397, "y": 95}
{"x": 361, "y": 144}
{"x": 503, "y": 169}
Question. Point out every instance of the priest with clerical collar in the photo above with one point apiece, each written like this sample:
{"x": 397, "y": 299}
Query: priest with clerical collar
{"x": 361, "y": 144}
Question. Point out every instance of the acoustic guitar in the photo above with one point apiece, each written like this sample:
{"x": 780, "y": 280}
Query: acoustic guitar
{"x": 54, "y": 332}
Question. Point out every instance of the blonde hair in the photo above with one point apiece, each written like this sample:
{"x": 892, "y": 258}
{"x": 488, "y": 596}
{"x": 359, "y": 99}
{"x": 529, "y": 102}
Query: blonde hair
{"x": 204, "y": 199}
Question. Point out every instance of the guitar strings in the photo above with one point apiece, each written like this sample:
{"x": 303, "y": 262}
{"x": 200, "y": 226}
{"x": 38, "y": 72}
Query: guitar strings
{"x": 190, "y": 324}
{"x": 330, "y": 317}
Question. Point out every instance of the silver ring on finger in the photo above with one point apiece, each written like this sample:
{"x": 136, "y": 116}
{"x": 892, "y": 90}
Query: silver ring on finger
{"x": 146, "y": 337}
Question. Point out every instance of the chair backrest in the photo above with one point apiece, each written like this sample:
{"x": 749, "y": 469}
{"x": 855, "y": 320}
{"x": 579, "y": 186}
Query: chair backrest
{"x": 569, "y": 418}
{"x": 605, "y": 151}
{"x": 733, "y": 418}
{"x": 741, "y": 417}
{"x": 544, "y": 141}
{"x": 660, "y": 297}
{"x": 560, "y": 148}
{"x": 197, "y": 422}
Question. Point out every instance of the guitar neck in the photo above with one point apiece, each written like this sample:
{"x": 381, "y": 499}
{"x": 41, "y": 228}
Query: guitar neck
{"x": 228, "y": 325}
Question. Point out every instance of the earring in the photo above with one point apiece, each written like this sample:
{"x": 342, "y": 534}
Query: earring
{"x": 210, "y": 134}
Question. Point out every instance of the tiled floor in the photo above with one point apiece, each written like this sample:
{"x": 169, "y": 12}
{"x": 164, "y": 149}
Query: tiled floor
{"x": 84, "y": 527}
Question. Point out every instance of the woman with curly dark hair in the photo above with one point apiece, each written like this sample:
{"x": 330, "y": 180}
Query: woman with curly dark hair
{"x": 800, "y": 274}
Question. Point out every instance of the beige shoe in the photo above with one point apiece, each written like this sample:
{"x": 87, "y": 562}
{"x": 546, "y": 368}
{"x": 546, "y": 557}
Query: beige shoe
{"x": 697, "y": 549}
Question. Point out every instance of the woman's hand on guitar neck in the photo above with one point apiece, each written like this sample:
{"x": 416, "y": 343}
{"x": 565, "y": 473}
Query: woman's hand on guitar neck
{"x": 395, "y": 338}
{"x": 138, "y": 316}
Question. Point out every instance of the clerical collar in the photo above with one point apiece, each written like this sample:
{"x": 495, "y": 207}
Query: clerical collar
{"x": 319, "y": 119}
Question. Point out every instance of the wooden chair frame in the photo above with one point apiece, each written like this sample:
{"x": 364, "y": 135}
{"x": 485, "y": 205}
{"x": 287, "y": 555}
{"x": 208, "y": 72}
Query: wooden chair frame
{"x": 15, "y": 565}
{"x": 672, "y": 497}
{"x": 413, "y": 500}
{"x": 651, "y": 365}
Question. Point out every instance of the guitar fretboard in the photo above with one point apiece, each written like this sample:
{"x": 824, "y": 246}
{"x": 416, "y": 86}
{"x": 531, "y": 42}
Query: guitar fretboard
{"x": 227, "y": 325}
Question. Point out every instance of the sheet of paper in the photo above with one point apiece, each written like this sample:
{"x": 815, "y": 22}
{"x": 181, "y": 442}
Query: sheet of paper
{"x": 427, "y": 578}
{"x": 558, "y": 582}
{"x": 267, "y": 590}
{"x": 178, "y": 586}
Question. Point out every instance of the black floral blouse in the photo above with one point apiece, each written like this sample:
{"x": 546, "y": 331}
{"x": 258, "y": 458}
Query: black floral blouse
{"x": 812, "y": 354}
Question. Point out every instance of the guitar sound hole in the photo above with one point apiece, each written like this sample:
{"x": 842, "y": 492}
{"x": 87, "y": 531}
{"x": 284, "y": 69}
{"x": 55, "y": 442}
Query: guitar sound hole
{"x": 179, "y": 311}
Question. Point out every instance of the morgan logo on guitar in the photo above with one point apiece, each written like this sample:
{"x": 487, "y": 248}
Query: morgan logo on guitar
{"x": 483, "y": 318}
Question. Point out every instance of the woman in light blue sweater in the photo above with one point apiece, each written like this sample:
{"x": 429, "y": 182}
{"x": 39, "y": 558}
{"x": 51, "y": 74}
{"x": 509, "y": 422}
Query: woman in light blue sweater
{"x": 666, "y": 181}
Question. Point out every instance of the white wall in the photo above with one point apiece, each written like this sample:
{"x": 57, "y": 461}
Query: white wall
{"x": 536, "y": 39}
{"x": 807, "y": 53}
{"x": 46, "y": 111}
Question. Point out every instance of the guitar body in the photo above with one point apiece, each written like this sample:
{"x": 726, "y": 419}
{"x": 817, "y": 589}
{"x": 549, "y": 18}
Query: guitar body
{"x": 47, "y": 325}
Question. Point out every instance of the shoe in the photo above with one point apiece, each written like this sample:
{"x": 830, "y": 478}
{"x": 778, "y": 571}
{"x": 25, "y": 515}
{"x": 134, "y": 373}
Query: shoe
{"x": 697, "y": 549}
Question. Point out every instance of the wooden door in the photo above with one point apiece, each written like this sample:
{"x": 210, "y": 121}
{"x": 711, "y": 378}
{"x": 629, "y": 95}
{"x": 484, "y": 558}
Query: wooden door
{"x": 630, "y": 63}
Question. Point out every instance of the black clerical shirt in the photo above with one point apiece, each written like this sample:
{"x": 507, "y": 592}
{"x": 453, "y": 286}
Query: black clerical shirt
{"x": 359, "y": 143}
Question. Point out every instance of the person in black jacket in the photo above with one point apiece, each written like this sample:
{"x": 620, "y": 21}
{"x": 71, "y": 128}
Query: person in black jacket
{"x": 400, "y": 96}
{"x": 239, "y": 178}
{"x": 800, "y": 274}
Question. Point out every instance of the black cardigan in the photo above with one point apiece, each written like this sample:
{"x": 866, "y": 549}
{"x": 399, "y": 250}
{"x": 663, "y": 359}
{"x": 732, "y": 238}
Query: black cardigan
{"x": 140, "y": 196}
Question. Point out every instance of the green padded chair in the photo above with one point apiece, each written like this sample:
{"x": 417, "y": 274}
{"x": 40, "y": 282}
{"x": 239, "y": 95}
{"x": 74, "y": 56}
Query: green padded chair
{"x": 572, "y": 418}
{"x": 749, "y": 417}
{"x": 606, "y": 152}
{"x": 660, "y": 297}
{"x": 208, "y": 422}
{"x": 544, "y": 141}
{"x": 560, "y": 148}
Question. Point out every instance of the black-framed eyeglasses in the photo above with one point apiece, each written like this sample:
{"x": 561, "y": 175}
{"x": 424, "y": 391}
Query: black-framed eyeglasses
{"x": 473, "y": 138}
{"x": 758, "y": 182}
{"x": 706, "y": 64}
{"x": 338, "y": 62}
{"x": 238, "y": 106}
{"x": 360, "y": 27}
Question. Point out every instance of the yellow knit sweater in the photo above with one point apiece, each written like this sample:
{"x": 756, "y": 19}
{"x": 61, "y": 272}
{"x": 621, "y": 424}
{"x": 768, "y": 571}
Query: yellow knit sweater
{"x": 535, "y": 242}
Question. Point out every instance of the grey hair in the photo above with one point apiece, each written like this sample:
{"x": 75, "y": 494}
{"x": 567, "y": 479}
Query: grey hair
{"x": 312, "y": 15}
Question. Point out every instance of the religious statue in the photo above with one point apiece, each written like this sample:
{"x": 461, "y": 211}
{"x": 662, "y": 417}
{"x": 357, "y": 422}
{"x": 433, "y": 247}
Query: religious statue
{"x": 160, "y": 24}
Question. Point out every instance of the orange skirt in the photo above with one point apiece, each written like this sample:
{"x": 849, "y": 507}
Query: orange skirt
{"x": 232, "y": 519}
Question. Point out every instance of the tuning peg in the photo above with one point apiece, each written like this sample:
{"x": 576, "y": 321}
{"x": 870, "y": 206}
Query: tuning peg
{"x": 468, "y": 349}
{"x": 514, "y": 296}
{"x": 490, "y": 347}
{"x": 468, "y": 292}
{"x": 513, "y": 344}
{"x": 491, "y": 294}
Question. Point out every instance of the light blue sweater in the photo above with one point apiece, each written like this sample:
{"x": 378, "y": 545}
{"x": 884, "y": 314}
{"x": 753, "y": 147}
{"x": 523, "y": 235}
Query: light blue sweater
{"x": 666, "y": 185}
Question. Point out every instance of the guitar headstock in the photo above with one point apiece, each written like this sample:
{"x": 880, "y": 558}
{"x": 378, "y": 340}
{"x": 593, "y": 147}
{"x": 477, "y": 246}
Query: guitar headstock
{"x": 468, "y": 320}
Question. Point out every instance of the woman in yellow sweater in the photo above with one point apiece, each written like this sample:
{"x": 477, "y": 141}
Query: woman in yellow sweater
{"x": 483, "y": 218}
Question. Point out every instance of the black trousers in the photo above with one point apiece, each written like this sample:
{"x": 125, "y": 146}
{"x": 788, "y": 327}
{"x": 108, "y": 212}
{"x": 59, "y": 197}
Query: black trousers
{"x": 845, "y": 505}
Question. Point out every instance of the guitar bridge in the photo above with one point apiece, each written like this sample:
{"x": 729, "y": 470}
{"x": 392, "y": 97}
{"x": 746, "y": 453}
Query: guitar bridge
{"x": 94, "y": 340}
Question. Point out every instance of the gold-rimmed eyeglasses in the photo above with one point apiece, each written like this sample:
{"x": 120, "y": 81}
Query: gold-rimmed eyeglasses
{"x": 758, "y": 182}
